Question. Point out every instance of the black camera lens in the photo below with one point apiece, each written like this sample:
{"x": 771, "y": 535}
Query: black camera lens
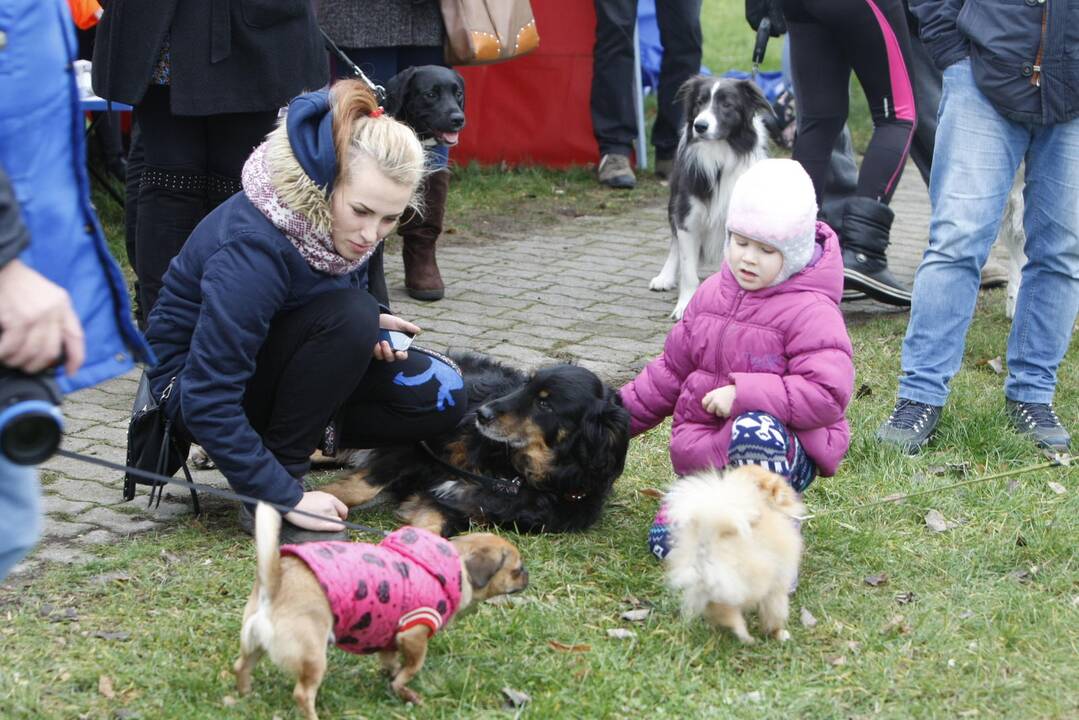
{"x": 31, "y": 438}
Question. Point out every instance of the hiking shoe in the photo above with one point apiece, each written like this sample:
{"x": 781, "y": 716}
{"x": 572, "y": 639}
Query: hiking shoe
{"x": 664, "y": 167}
{"x": 1039, "y": 422}
{"x": 615, "y": 172}
{"x": 910, "y": 425}
{"x": 290, "y": 534}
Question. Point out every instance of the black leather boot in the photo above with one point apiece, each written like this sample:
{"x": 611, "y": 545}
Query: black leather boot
{"x": 864, "y": 235}
{"x": 419, "y": 235}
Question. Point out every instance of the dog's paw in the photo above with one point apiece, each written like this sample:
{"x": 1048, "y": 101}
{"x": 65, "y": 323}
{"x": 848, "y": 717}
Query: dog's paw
{"x": 662, "y": 283}
{"x": 407, "y": 694}
{"x": 746, "y": 639}
{"x": 679, "y": 309}
{"x": 782, "y": 635}
{"x": 199, "y": 460}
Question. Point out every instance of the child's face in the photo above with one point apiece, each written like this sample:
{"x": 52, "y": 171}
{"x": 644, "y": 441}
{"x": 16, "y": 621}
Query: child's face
{"x": 755, "y": 265}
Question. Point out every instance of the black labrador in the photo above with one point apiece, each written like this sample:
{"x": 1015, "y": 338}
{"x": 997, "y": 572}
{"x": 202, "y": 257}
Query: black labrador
{"x": 431, "y": 100}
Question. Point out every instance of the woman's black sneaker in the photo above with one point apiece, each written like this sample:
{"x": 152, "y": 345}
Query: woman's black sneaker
{"x": 1038, "y": 421}
{"x": 910, "y": 425}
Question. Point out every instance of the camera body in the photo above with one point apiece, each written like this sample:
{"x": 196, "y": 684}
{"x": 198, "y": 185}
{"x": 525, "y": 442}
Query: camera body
{"x": 31, "y": 426}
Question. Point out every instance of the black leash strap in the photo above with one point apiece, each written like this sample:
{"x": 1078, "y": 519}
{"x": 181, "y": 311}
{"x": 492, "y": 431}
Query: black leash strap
{"x": 210, "y": 490}
{"x": 380, "y": 92}
{"x": 501, "y": 485}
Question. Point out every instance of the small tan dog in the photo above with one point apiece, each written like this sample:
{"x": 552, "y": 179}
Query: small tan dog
{"x": 293, "y": 613}
{"x": 734, "y": 547}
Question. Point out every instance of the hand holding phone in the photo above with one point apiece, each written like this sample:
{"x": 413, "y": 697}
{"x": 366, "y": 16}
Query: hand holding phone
{"x": 399, "y": 340}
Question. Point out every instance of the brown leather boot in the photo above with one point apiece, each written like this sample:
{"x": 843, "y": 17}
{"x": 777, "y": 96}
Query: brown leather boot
{"x": 419, "y": 235}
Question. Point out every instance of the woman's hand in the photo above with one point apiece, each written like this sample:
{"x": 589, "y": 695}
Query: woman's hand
{"x": 719, "y": 401}
{"x": 319, "y": 503}
{"x": 383, "y": 351}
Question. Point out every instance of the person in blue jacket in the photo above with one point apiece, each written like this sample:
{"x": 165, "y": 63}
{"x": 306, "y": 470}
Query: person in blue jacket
{"x": 1010, "y": 94}
{"x": 61, "y": 294}
{"x": 267, "y": 327}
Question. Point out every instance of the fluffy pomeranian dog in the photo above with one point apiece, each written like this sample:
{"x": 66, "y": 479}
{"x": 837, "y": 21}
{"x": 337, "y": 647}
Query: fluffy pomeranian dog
{"x": 735, "y": 547}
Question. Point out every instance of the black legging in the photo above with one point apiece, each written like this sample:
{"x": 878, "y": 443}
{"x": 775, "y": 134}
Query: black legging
{"x": 829, "y": 38}
{"x": 316, "y": 364}
{"x": 190, "y": 165}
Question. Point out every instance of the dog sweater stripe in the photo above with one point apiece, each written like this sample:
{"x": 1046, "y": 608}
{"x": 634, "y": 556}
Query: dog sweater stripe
{"x": 426, "y": 616}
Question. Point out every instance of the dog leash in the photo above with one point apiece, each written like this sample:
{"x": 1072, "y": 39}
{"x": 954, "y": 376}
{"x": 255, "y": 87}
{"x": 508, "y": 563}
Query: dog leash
{"x": 345, "y": 60}
{"x": 500, "y": 485}
{"x": 210, "y": 490}
{"x": 1056, "y": 460}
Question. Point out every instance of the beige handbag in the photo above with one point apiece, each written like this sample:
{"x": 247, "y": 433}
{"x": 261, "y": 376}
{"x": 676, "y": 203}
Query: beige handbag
{"x": 488, "y": 31}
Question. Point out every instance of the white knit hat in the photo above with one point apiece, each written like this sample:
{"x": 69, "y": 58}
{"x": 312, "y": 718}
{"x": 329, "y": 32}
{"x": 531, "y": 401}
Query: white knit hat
{"x": 774, "y": 203}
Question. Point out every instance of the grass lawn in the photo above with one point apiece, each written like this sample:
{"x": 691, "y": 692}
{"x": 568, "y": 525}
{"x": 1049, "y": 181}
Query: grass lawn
{"x": 976, "y": 621}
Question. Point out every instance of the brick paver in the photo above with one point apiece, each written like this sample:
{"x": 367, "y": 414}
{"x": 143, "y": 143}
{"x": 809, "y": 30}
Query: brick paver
{"x": 574, "y": 291}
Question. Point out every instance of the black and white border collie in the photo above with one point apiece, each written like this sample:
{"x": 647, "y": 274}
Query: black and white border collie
{"x": 723, "y": 136}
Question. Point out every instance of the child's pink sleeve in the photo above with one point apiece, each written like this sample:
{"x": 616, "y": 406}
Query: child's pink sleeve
{"x": 650, "y": 397}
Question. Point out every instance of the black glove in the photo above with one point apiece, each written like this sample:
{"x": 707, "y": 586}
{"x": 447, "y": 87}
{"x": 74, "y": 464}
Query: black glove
{"x": 757, "y": 10}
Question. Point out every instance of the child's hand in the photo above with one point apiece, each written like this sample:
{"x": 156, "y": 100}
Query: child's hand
{"x": 719, "y": 401}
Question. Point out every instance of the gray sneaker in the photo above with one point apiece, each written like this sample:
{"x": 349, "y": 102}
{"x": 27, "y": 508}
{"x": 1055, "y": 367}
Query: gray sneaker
{"x": 290, "y": 534}
{"x": 1038, "y": 421}
{"x": 910, "y": 425}
{"x": 615, "y": 171}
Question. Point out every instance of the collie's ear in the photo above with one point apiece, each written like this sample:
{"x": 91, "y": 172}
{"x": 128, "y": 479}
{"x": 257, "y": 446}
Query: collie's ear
{"x": 754, "y": 98}
{"x": 603, "y": 438}
{"x": 396, "y": 89}
{"x": 688, "y": 91}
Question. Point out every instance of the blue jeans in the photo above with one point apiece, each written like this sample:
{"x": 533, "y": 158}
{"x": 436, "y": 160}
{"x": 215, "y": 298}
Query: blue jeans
{"x": 20, "y": 508}
{"x": 978, "y": 152}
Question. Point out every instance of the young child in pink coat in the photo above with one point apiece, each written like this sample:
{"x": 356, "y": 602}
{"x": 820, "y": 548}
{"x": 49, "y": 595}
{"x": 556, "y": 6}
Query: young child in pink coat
{"x": 759, "y": 368}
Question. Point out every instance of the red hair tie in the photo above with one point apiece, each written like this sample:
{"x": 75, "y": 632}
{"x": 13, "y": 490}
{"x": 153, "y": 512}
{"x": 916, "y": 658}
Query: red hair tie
{"x": 377, "y": 112}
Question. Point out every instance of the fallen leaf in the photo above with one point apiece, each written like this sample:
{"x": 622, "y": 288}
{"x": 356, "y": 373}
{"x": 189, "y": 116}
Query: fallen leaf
{"x": 996, "y": 365}
{"x": 936, "y": 522}
{"x": 877, "y": 580}
{"x": 1057, "y": 488}
{"x": 104, "y": 686}
{"x": 169, "y": 558}
{"x": 863, "y": 391}
{"x": 1075, "y": 600}
{"x": 966, "y": 615}
{"x": 837, "y": 660}
{"x": 896, "y": 624}
{"x": 507, "y": 600}
{"x": 515, "y": 698}
{"x": 1020, "y": 541}
{"x": 125, "y": 714}
{"x": 1021, "y": 576}
{"x": 228, "y": 701}
{"x": 652, "y": 493}
{"x": 756, "y": 696}
{"x": 951, "y": 662}
{"x": 1013, "y": 485}
{"x": 807, "y": 618}
{"x": 638, "y": 615}
{"x": 65, "y": 676}
{"x": 854, "y": 646}
{"x": 621, "y": 634}
{"x": 973, "y": 712}
{"x": 563, "y": 647}
{"x": 107, "y": 578}
{"x": 894, "y": 497}
{"x": 636, "y": 602}
{"x": 904, "y": 598}
{"x": 114, "y": 635}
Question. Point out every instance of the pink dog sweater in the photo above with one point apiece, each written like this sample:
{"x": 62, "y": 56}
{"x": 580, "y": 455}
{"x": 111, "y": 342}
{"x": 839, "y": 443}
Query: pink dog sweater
{"x": 413, "y": 577}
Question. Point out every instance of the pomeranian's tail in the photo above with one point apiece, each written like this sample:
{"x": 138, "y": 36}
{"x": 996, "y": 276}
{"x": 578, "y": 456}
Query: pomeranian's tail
{"x": 267, "y": 554}
{"x": 708, "y": 512}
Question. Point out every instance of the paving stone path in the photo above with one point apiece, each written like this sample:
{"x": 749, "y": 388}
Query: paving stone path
{"x": 576, "y": 291}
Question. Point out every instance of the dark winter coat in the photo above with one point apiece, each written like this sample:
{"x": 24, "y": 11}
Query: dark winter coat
{"x": 382, "y": 23}
{"x": 1024, "y": 53}
{"x": 226, "y": 56}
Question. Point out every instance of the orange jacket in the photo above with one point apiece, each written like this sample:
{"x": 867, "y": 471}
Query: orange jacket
{"x": 86, "y": 13}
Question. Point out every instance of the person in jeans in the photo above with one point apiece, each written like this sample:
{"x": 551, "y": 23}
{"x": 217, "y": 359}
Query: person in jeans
{"x": 268, "y": 323}
{"x": 614, "y": 120}
{"x": 1008, "y": 97}
{"x": 62, "y": 298}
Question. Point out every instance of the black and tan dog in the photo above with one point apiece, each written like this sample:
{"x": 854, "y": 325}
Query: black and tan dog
{"x": 552, "y": 442}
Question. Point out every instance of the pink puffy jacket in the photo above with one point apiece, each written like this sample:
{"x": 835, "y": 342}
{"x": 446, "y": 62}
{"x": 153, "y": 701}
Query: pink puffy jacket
{"x": 784, "y": 348}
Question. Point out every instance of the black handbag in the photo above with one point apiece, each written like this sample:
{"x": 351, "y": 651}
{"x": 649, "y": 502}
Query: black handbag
{"x": 153, "y": 445}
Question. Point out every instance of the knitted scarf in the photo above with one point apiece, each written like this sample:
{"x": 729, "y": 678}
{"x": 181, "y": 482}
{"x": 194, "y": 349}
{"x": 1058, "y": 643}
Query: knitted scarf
{"x": 313, "y": 243}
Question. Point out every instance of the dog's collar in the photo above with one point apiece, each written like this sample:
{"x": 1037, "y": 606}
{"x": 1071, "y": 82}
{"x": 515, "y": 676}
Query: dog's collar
{"x": 504, "y": 486}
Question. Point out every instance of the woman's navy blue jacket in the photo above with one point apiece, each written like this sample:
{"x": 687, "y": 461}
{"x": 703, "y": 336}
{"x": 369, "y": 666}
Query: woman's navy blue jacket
{"x": 234, "y": 275}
